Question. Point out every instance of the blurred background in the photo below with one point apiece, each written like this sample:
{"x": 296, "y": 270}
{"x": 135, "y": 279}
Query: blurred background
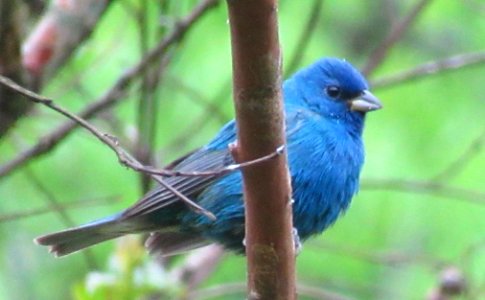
{"x": 157, "y": 76}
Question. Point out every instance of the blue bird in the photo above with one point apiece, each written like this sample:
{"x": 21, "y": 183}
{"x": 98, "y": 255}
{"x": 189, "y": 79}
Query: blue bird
{"x": 325, "y": 107}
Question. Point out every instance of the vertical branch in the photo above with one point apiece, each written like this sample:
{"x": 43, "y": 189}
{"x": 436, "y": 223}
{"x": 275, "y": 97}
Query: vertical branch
{"x": 259, "y": 114}
{"x": 146, "y": 117}
{"x": 12, "y": 105}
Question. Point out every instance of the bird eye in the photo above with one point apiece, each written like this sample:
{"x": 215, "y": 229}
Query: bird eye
{"x": 333, "y": 91}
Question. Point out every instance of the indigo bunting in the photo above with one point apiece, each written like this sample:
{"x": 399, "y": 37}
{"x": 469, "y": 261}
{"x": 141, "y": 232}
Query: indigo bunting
{"x": 325, "y": 106}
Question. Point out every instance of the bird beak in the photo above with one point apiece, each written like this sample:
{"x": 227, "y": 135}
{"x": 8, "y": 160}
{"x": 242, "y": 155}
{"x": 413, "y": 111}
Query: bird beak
{"x": 365, "y": 102}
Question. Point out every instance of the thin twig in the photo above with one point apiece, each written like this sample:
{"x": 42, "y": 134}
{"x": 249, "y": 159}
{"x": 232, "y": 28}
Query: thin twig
{"x": 113, "y": 95}
{"x": 221, "y": 171}
{"x": 431, "y": 68}
{"x": 475, "y": 248}
{"x": 16, "y": 216}
{"x": 50, "y": 198}
{"x": 396, "y": 32}
{"x": 462, "y": 161}
{"x": 305, "y": 36}
{"x": 197, "y": 266}
{"x": 129, "y": 161}
{"x": 425, "y": 187}
{"x": 123, "y": 157}
{"x": 57, "y": 207}
{"x": 197, "y": 98}
{"x": 198, "y": 124}
{"x": 389, "y": 258}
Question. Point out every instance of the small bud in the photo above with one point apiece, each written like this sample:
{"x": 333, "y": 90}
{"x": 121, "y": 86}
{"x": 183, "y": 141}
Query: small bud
{"x": 452, "y": 281}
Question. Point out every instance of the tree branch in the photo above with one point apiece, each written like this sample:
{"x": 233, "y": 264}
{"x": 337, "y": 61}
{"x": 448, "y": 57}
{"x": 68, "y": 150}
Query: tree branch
{"x": 259, "y": 114}
{"x": 197, "y": 267}
{"x": 374, "y": 256}
{"x": 431, "y": 68}
{"x": 112, "y": 95}
{"x": 380, "y": 53}
{"x": 124, "y": 157}
{"x": 48, "y": 208}
{"x": 12, "y": 106}
{"x": 305, "y": 36}
{"x": 425, "y": 187}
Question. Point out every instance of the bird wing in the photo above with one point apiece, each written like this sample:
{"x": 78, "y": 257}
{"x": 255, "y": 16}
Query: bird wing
{"x": 202, "y": 160}
{"x": 215, "y": 156}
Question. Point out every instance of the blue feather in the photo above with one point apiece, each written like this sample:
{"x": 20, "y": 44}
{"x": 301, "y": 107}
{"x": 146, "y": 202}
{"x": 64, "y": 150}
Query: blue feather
{"x": 325, "y": 108}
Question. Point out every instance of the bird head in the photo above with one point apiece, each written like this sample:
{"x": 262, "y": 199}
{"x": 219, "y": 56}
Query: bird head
{"x": 333, "y": 88}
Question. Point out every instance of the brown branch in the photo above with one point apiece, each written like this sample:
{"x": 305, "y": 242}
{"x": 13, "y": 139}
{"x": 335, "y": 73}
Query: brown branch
{"x": 113, "y": 95}
{"x": 425, "y": 187}
{"x": 129, "y": 161}
{"x": 256, "y": 62}
{"x": 396, "y": 32}
{"x": 197, "y": 267}
{"x": 431, "y": 68}
{"x": 124, "y": 157}
{"x": 12, "y": 105}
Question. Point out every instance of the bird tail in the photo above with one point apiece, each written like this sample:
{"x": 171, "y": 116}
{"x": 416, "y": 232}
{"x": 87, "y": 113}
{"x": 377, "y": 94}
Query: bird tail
{"x": 72, "y": 240}
{"x": 170, "y": 243}
{"x": 165, "y": 241}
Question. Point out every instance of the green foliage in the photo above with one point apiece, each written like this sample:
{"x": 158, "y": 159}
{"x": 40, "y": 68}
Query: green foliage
{"x": 130, "y": 275}
{"x": 392, "y": 243}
